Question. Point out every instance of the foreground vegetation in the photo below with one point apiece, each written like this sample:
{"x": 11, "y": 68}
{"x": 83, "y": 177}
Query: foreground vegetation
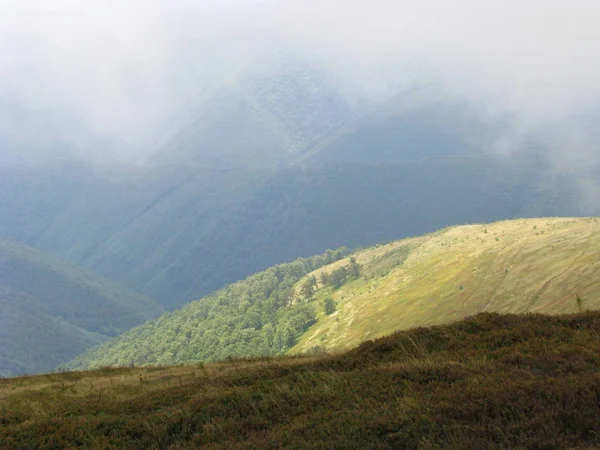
{"x": 491, "y": 381}
{"x": 333, "y": 303}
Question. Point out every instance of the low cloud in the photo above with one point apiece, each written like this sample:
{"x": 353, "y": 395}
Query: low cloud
{"x": 125, "y": 70}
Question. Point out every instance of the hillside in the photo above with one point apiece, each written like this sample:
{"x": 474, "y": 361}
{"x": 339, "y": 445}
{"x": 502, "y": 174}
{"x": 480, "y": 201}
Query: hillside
{"x": 51, "y": 311}
{"x": 414, "y": 125}
{"x": 257, "y": 316}
{"x": 490, "y": 381}
{"x": 524, "y": 265}
{"x": 520, "y": 266}
{"x": 178, "y": 233}
{"x": 277, "y": 111}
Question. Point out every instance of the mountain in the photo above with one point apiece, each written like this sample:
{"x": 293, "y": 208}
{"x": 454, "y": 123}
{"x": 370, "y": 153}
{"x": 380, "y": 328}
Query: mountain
{"x": 491, "y": 381}
{"x": 52, "y": 311}
{"x": 272, "y": 163}
{"x": 526, "y": 265}
{"x": 178, "y": 233}
{"x": 262, "y": 118}
{"x": 417, "y": 124}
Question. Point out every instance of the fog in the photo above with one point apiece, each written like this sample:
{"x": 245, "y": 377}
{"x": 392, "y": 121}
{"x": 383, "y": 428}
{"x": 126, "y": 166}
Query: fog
{"x": 123, "y": 71}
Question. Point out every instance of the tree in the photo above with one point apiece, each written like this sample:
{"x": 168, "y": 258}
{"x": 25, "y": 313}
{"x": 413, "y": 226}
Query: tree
{"x": 306, "y": 290}
{"x": 324, "y": 278}
{"x": 329, "y": 306}
{"x": 354, "y": 268}
{"x": 338, "y": 277}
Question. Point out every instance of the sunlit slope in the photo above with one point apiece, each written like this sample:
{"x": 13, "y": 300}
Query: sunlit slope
{"x": 533, "y": 265}
{"x": 536, "y": 265}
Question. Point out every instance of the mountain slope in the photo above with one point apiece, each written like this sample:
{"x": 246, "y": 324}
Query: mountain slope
{"x": 254, "y": 316}
{"x": 537, "y": 265}
{"x": 417, "y": 124}
{"x": 51, "y": 311}
{"x": 262, "y": 118}
{"x": 178, "y": 233}
{"x": 533, "y": 265}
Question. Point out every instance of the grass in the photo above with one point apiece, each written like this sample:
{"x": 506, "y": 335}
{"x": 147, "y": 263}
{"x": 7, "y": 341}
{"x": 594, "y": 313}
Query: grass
{"x": 490, "y": 381}
{"x": 517, "y": 266}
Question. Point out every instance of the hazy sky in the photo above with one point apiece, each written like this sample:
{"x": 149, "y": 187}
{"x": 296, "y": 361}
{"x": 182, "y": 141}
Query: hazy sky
{"x": 121, "y": 68}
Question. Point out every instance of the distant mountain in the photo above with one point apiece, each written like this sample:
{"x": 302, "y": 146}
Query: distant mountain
{"x": 178, "y": 233}
{"x": 51, "y": 311}
{"x": 263, "y": 118}
{"x": 419, "y": 123}
{"x": 527, "y": 265}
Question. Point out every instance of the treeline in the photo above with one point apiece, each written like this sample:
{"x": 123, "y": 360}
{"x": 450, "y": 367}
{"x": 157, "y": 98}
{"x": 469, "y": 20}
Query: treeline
{"x": 254, "y": 317}
{"x": 335, "y": 279}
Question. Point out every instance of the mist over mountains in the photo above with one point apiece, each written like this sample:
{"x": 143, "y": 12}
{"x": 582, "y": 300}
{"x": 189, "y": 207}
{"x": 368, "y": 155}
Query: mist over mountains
{"x": 193, "y": 218}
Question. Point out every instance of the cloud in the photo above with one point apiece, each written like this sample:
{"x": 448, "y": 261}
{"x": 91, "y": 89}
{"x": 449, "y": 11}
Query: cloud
{"x": 125, "y": 69}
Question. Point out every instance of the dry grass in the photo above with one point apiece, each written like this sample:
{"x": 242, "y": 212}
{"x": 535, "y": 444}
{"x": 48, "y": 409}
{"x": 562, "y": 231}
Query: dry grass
{"x": 517, "y": 266}
{"x": 491, "y": 381}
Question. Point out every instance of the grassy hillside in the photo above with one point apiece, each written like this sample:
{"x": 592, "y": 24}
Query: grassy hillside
{"x": 526, "y": 265}
{"x": 519, "y": 266}
{"x": 52, "y": 311}
{"x": 491, "y": 381}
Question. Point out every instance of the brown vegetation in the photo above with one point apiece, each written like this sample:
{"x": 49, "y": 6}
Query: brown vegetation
{"x": 491, "y": 381}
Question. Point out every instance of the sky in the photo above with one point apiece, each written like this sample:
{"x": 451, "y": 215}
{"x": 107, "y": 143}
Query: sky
{"x": 122, "y": 70}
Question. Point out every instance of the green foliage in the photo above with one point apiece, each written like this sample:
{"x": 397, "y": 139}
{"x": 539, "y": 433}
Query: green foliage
{"x": 488, "y": 382}
{"x": 339, "y": 276}
{"x": 353, "y": 268}
{"x": 255, "y": 317}
{"x": 308, "y": 286}
{"x": 329, "y": 306}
